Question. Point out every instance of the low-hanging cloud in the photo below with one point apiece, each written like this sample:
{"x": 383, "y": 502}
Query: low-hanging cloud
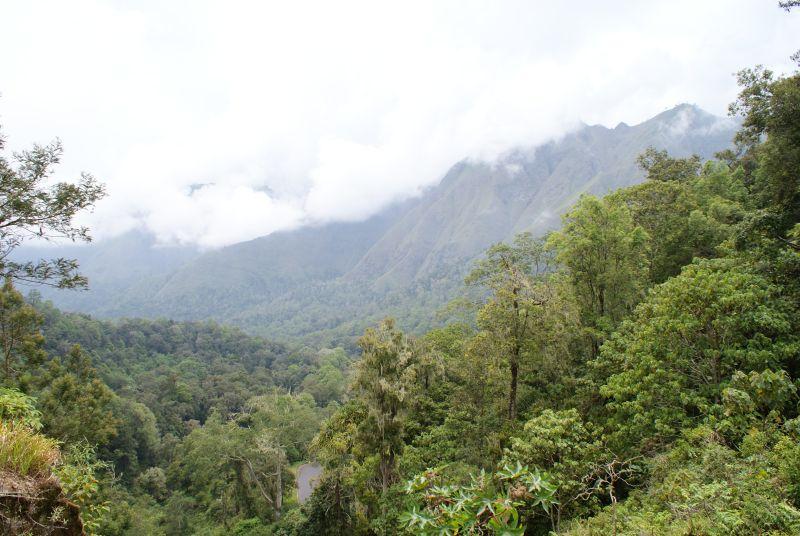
{"x": 216, "y": 122}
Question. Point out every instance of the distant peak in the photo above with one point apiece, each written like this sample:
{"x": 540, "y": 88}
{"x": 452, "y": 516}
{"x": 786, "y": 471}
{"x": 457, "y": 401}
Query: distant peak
{"x": 684, "y": 109}
{"x": 687, "y": 118}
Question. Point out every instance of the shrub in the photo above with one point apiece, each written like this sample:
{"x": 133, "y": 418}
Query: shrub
{"x": 25, "y": 452}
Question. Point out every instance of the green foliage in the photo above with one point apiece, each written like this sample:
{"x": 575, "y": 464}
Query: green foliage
{"x": 522, "y": 320}
{"x": 153, "y": 481}
{"x": 562, "y": 445}
{"x": 659, "y": 166}
{"x": 605, "y": 255}
{"x": 131, "y": 514}
{"x": 25, "y": 451}
{"x": 383, "y": 378}
{"x": 17, "y": 407}
{"x": 137, "y": 443}
{"x": 484, "y": 506}
{"x": 231, "y": 470}
{"x": 328, "y": 383}
{"x": 785, "y": 457}
{"x": 702, "y": 487}
{"x": 330, "y": 510}
{"x": 76, "y": 405}
{"x": 770, "y": 110}
{"x": 31, "y": 206}
{"x": 169, "y": 379}
{"x": 80, "y": 475}
{"x": 251, "y": 527}
{"x": 292, "y": 420}
{"x": 667, "y": 367}
{"x": 180, "y": 371}
{"x": 688, "y": 218}
{"x": 21, "y": 340}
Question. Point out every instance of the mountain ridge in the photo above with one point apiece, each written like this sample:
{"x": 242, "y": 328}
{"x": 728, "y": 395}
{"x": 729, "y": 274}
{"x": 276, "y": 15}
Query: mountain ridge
{"x": 412, "y": 252}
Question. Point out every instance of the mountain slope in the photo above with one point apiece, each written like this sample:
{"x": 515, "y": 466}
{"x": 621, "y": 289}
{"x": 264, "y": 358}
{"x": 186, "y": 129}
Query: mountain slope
{"x": 230, "y": 279}
{"x": 478, "y": 203}
{"x": 332, "y": 280}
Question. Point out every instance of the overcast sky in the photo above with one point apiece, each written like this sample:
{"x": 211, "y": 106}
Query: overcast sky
{"x": 216, "y": 122}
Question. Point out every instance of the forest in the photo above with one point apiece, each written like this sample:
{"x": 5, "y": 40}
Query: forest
{"x": 634, "y": 372}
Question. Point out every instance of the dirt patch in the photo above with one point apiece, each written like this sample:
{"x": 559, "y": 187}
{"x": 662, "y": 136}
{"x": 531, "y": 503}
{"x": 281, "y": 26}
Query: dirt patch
{"x": 36, "y": 506}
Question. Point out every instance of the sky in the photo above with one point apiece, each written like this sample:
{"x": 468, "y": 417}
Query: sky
{"x": 217, "y": 122}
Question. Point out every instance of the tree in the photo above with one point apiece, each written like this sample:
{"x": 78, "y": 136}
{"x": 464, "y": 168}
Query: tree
{"x": 685, "y": 218}
{"x": 19, "y": 333}
{"x": 328, "y": 382}
{"x": 29, "y": 208}
{"x": 513, "y": 273}
{"x": 153, "y": 481}
{"x": 668, "y": 366}
{"x": 770, "y": 109}
{"x": 232, "y": 469}
{"x": 331, "y": 507}
{"x": 484, "y": 506}
{"x": 291, "y": 419}
{"x": 702, "y": 486}
{"x": 17, "y": 407}
{"x": 560, "y": 443}
{"x": 137, "y": 441}
{"x": 605, "y": 256}
{"x": 76, "y": 405}
{"x": 382, "y": 381}
{"x": 659, "y": 166}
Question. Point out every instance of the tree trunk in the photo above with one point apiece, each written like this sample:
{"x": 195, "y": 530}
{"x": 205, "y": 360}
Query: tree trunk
{"x": 512, "y": 395}
{"x": 7, "y": 358}
{"x": 514, "y": 360}
{"x": 595, "y": 346}
{"x": 387, "y": 463}
{"x": 278, "y": 493}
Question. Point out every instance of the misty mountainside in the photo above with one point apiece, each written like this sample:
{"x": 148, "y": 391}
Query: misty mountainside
{"x": 326, "y": 283}
{"x": 480, "y": 203}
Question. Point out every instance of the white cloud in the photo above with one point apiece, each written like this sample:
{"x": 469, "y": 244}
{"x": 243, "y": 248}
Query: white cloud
{"x": 300, "y": 112}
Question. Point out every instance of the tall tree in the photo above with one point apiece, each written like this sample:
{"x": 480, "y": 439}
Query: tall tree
{"x": 685, "y": 218}
{"x": 605, "y": 255}
{"x": 330, "y": 509}
{"x": 770, "y": 108}
{"x": 512, "y": 272}
{"x": 383, "y": 379}
{"x": 560, "y": 443}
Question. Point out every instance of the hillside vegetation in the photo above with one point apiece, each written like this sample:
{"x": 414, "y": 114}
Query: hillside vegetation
{"x": 635, "y": 372}
{"x": 632, "y": 371}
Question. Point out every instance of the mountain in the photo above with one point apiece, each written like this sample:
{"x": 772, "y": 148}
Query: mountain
{"x": 480, "y": 203}
{"x": 329, "y": 281}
